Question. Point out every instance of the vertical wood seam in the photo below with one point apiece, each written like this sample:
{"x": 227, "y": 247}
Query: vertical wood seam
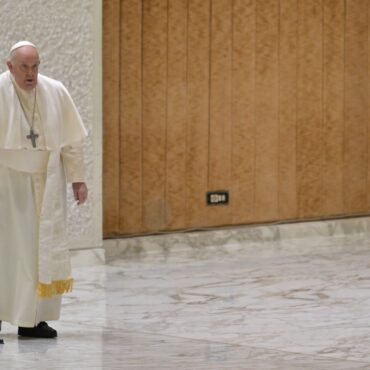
{"x": 344, "y": 103}
{"x": 344, "y": 97}
{"x": 165, "y": 190}
{"x": 232, "y": 117}
{"x": 187, "y": 203}
{"x": 278, "y": 109}
{"x": 254, "y": 107}
{"x": 119, "y": 115}
{"x": 323, "y": 141}
{"x": 210, "y": 49}
{"x": 297, "y": 108}
{"x": 367, "y": 99}
{"x": 142, "y": 115}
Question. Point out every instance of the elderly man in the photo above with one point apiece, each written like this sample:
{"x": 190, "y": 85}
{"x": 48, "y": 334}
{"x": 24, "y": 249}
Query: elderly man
{"x": 41, "y": 136}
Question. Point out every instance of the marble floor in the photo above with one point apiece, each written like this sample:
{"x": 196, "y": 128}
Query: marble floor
{"x": 295, "y": 303}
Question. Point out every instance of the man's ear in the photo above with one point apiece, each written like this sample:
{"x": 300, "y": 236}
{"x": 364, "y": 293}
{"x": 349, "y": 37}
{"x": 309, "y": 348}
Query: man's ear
{"x": 10, "y": 65}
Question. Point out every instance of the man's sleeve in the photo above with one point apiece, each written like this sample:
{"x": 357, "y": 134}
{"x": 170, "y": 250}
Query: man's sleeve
{"x": 73, "y": 161}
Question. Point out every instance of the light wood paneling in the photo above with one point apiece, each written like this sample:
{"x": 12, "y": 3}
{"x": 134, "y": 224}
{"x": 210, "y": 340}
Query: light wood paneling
{"x": 130, "y": 117}
{"x": 111, "y": 107}
{"x": 368, "y": 104}
{"x": 267, "y": 99}
{"x": 356, "y": 106}
{"x": 243, "y": 111}
{"x": 309, "y": 113}
{"x": 155, "y": 18}
{"x": 176, "y": 143}
{"x": 219, "y": 173}
{"x": 333, "y": 105}
{"x": 198, "y": 110}
{"x": 267, "y": 129}
{"x": 288, "y": 41}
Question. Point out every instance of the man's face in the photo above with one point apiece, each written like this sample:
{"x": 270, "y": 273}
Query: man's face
{"x": 24, "y": 66}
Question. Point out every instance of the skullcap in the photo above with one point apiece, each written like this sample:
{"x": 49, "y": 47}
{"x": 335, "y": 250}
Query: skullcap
{"x": 19, "y": 44}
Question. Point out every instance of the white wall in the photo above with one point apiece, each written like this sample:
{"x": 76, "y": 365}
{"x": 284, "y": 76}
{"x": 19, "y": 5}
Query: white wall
{"x": 68, "y": 34}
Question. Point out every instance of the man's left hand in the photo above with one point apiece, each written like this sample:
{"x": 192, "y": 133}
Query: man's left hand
{"x": 80, "y": 192}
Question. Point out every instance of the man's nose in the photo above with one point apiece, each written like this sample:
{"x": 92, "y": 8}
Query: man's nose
{"x": 30, "y": 72}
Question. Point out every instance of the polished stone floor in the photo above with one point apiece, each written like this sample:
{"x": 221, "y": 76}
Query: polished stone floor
{"x": 283, "y": 303}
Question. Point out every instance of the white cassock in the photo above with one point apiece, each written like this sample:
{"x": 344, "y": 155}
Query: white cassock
{"x": 34, "y": 259}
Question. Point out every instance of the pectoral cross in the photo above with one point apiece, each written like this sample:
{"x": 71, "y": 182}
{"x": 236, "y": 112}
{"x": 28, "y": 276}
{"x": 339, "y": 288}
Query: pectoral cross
{"x": 32, "y": 136}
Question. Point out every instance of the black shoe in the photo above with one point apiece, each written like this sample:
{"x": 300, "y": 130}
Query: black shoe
{"x": 1, "y": 340}
{"x": 42, "y": 330}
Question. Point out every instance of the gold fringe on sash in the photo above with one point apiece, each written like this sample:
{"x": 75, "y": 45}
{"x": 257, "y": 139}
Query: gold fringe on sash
{"x": 55, "y": 288}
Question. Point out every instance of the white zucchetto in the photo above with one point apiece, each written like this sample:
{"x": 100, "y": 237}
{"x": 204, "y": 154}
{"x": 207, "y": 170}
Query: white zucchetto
{"x": 19, "y": 44}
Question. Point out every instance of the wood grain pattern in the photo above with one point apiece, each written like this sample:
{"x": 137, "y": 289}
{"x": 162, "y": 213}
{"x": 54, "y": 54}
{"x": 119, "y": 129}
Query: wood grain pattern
{"x": 243, "y": 111}
{"x": 333, "y": 105}
{"x": 266, "y": 191}
{"x": 356, "y": 95}
{"x": 309, "y": 119}
{"x": 111, "y": 107}
{"x": 219, "y": 174}
{"x": 368, "y": 126}
{"x": 176, "y": 115}
{"x": 130, "y": 117}
{"x": 265, "y": 98}
{"x": 155, "y": 18}
{"x": 288, "y": 50}
{"x": 198, "y": 111}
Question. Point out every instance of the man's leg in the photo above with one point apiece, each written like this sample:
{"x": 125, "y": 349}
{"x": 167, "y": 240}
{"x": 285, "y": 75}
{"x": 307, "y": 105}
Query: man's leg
{"x": 47, "y": 309}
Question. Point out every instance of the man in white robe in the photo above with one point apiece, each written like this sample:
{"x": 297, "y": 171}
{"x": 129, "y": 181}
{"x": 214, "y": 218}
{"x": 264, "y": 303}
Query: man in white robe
{"x": 41, "y": 136}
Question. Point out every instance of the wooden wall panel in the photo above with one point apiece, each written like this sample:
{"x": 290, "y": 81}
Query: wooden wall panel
{"x": 333, "y": 105}
{"x": 154, "y": 113}
{"x": 111, "y": 107}
{"x": 198, "y": 110}
{"x": 130, "y": 136}
{"x": 219, "y": 173}
{"x": 265, "y": 98}
{"x": 243, "y": 111}
{"x": 176, "y": 143}
{"x": 356, "y": 106}
{"x": 368, "y": 103}
{"x": 288, "y": 208}
{"x": 266, "y": 91}
{"x": 309, "y": 113}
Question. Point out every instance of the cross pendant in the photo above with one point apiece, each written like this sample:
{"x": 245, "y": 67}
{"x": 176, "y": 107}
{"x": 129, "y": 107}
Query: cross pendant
{"x": 32, "y": 136}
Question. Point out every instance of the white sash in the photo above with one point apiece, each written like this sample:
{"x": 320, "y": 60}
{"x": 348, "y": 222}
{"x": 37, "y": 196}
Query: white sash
{"x": 30, "y": 161}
